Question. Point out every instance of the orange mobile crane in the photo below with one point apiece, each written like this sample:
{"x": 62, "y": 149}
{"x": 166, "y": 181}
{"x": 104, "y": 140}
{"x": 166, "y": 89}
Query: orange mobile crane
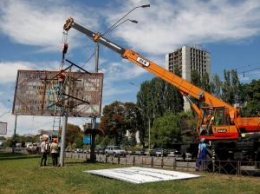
{"x": 226, "y": 129}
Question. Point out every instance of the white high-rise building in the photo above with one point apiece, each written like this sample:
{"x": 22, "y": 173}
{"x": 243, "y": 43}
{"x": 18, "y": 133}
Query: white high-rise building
{"x": 186, "y": 59}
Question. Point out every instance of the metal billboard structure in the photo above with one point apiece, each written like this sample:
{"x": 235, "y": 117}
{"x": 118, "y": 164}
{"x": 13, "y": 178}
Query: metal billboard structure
{"x": 48, "y": 93}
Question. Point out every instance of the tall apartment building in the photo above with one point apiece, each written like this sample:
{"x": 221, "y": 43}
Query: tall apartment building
{"x": 188, "y": 58}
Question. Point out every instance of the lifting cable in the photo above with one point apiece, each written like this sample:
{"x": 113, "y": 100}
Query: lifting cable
{"x": 64, "y": 48}
{"x": 62, "y": 73}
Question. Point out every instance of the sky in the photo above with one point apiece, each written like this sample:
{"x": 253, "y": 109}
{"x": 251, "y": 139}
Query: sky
{"x": 31, "y": 35}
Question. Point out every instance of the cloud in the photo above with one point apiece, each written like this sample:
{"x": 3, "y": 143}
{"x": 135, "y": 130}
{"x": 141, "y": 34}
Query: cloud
{"x": 117, "y": 78}
{"x": 167, "y": 24}
{"x": 36, "y": 23}
{"x": 123, "y": 71}
{"x": 248, "y": 76}
{"x": 13, "y": 67}
{"x": 161, "y": 28}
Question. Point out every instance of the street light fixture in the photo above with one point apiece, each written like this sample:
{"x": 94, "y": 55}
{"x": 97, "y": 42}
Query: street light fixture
{"x": 118, "y": 22}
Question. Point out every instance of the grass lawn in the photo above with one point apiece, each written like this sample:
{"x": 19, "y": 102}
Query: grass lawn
{"x": 21, "y": 174}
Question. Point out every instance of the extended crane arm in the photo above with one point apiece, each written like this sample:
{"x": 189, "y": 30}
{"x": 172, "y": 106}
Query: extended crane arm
{"x": 95, "y": 36}
{"x": 184, "y": 86}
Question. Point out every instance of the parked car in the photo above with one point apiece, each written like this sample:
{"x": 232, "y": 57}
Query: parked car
{"x": 86, "y": 151}
{"x": 130, "y": 152}
{"x": 100, "y": 149}
{"x": 115, "y": 151}
{"x": 179, "y": 156}
{"x": 188, "y": 156}
{"x": 32, "y": 148}
{"x": 78, "y": 150}
{"x": 140, "y": 152}
{"x": 173, "y": 153}
{"x": 68, "y": 150}
{"x": 158, "y": 152}
{"x": 183, "y": 156}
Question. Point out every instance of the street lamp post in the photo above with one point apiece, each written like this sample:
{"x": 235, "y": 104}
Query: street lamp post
{"x": 118, "y": 22}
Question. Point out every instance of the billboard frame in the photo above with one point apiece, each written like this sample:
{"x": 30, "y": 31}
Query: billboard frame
{"x": 51, "y": 93}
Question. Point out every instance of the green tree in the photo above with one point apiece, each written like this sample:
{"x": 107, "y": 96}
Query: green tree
{"x": 145, "y": 103}
{"x": 196, "y": 78}
{"x": 155, "y": 98}
{"x": 173, "y": 128}
{"x": 112, "y": 121}
{"x": 251, "y": 98}
{"x": 133, "y": 122}
{"x": 231, "y": 86}
{"x": 78, "y": 141}
{"x": 205, "y": 82}
{"x": 118, "y": 118}
{"x": 166, "y": 130}
{"x": 8, "y": 142}
{"x": 216, "y": 86}
{"x": 73, "y": 133}
{"x": 188, "y": 127}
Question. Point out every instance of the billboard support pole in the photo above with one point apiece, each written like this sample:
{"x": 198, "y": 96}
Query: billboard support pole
{"x": 93, "y": 141}
{"x": 64, "y": 126}
{"x": 63, "y": 137}
{"x": 14, "y": 135}
{"x": 93, "y": 135}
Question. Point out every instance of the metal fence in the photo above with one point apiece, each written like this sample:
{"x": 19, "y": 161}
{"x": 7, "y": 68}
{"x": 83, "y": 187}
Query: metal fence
{"x": 248, "y": 168}
{"x": 225, "y": 167}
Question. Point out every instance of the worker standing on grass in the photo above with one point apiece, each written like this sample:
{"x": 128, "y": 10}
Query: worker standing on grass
{"x": 202, "y": 153}
{"x": 44, "y": 151}
{"x": 54, "y": 149}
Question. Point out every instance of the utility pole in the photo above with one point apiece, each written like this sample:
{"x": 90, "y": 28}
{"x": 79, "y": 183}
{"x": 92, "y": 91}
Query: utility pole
{"x": 63, "y": 136}
{"x": 63, "y": 88}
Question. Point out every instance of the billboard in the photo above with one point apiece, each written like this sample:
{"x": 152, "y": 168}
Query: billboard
{"x": 3, "y": 128}
{"x": 49, "y": 93}
{"x": 139, "y": 175}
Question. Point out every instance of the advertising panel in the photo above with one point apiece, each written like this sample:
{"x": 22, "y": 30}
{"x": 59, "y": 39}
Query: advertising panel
{"x": 49, "y": 93}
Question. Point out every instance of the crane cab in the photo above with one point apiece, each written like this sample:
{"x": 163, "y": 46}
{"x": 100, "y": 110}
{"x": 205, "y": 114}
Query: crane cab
{"x": 216, "y": 124}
